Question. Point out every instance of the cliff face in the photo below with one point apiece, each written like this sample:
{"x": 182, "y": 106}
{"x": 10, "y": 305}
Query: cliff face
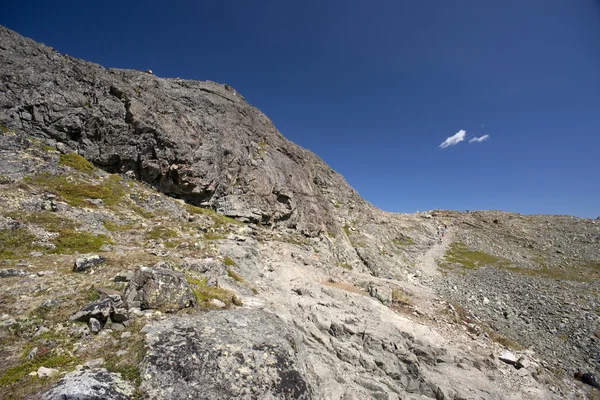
{"x": 199, "y": 141}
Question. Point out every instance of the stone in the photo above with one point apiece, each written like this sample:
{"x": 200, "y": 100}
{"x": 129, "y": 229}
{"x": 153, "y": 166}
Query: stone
{"x": 86, "y": 262}
{"x": 96, "y": 362}
{"x": 125, "y": 335}
{"x": 95, "y": 383}
{"x": 123, "y": 276}
{"x": 11, "y": 272}
{"x": 44, "y": 372}
{"x": 31, "y": 355}
{"x": 225, "y": 354}
{"x": 159, "y": 288}
{"x": 99, "y": 310}
{"x": 94, "y": 325}
{"x": 217, "y": 303}
{"x": 41, "y": 330}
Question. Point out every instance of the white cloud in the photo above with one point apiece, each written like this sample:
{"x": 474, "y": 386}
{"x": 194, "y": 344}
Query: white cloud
{"x": 454, "y": 140}
{"x": 479, "y": 139}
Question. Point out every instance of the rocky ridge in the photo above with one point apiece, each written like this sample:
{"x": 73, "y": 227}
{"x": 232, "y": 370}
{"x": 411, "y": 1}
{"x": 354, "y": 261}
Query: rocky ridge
{"x": 284, "y": 283}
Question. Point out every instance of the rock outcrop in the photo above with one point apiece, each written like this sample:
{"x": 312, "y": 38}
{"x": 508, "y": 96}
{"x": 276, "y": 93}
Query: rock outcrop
{"x": 225, "y": 355}
{"x": 159, "y": 288}
{"x": 91, "y": 384}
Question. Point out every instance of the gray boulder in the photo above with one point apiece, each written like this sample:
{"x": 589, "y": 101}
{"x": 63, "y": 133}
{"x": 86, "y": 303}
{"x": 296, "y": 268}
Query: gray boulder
{"x": 90, "y": 384}
{"x": 159, "y": 288}
{"x": 99, "y": 309}
{"x": 242, "y": 354}
{"x": 10, "y": 272}
{"x": 87, "y": 262}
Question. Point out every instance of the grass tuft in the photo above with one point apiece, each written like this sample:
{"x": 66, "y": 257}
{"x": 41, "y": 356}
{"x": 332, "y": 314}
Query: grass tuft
{"x": 204, "y": 293}
{"x": 77, "y": 162}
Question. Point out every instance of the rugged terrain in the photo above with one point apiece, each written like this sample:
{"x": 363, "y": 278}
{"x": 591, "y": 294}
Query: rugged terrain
{"x": 159, "y": 238}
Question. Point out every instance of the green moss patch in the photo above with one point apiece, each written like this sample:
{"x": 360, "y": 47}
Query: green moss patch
{"x": 76, "y": 192}
{"x": 77, "y": 162}
{"x": 49, "y": 360}
{"x": 458, "y": 253}
{"x": 15, "y": 243}
{"x": 69, "y": 242}
{"x": 48, "y": 220}
{"x": 161, "y": 232}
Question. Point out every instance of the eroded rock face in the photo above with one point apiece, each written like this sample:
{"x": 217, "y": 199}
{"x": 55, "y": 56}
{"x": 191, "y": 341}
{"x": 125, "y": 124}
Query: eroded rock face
{"x": 227, "y": 354}
{"x": 200, "y": 141}
{"x": 159, "y": 288}
{"x": 92, "y": 384}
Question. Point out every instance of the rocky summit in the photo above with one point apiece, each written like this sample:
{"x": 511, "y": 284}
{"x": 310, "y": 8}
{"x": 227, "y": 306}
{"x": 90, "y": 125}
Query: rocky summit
{"x": 160, "y": 239}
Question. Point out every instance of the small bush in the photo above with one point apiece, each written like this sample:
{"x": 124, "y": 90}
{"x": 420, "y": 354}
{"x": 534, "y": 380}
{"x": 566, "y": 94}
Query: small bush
{"x": 77, "y": 162}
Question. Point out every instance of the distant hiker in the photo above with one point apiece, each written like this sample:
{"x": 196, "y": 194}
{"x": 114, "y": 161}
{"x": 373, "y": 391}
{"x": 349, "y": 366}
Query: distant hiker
{"x": 587, "y": 378}
{"x": 445, "y": 226}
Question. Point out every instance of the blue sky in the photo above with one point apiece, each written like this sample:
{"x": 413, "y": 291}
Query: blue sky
{"x": 374, "y": 88}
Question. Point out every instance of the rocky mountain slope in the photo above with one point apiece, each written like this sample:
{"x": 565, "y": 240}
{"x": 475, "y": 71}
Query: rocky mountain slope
{"x": 159, "y": 238}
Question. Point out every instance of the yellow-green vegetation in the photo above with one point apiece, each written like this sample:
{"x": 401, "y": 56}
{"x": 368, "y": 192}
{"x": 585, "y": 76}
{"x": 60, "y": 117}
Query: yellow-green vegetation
{"x": 44, "y": 358}
{"x": 69, "y": 241}
{"x": 6, "y": 130}
{"x": 229, "y": 261}
{"x": 77, "y": 162}
{"x": 142, "y": 211}
{"x": 116, "y": 227}
{"x": 399, "y": 297}
{"x": 161, "y": 232}
{"x": 204, "y": 293}
{"x": 213, "y": 236}
{"x": 19, "y": 242}
{"x": 15, "y": 243}
{"x": 48, "y": 220}
{"x": 219, "y": 220}
{"x": 576, "y": 270}
{"x": 235, "y": 276}
{"x": 128, "y": 366}
{"x": 403, "y": 241}
{"x": 459, "y": 253}
{"x": 345, "y": 265}
{"x": 76, "y": 191}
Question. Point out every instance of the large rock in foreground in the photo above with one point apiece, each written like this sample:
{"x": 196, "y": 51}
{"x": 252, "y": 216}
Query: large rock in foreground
{"x": 93, "y": 384}
{"x": 239, "y": 354}
{"x": 159, "y": 288}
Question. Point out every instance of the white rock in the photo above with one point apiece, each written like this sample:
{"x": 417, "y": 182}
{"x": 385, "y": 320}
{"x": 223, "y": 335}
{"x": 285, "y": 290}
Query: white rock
{"x": 44, "y": 372}
{"x": 486, "y": 301}
{"x": 217, "y": 303}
